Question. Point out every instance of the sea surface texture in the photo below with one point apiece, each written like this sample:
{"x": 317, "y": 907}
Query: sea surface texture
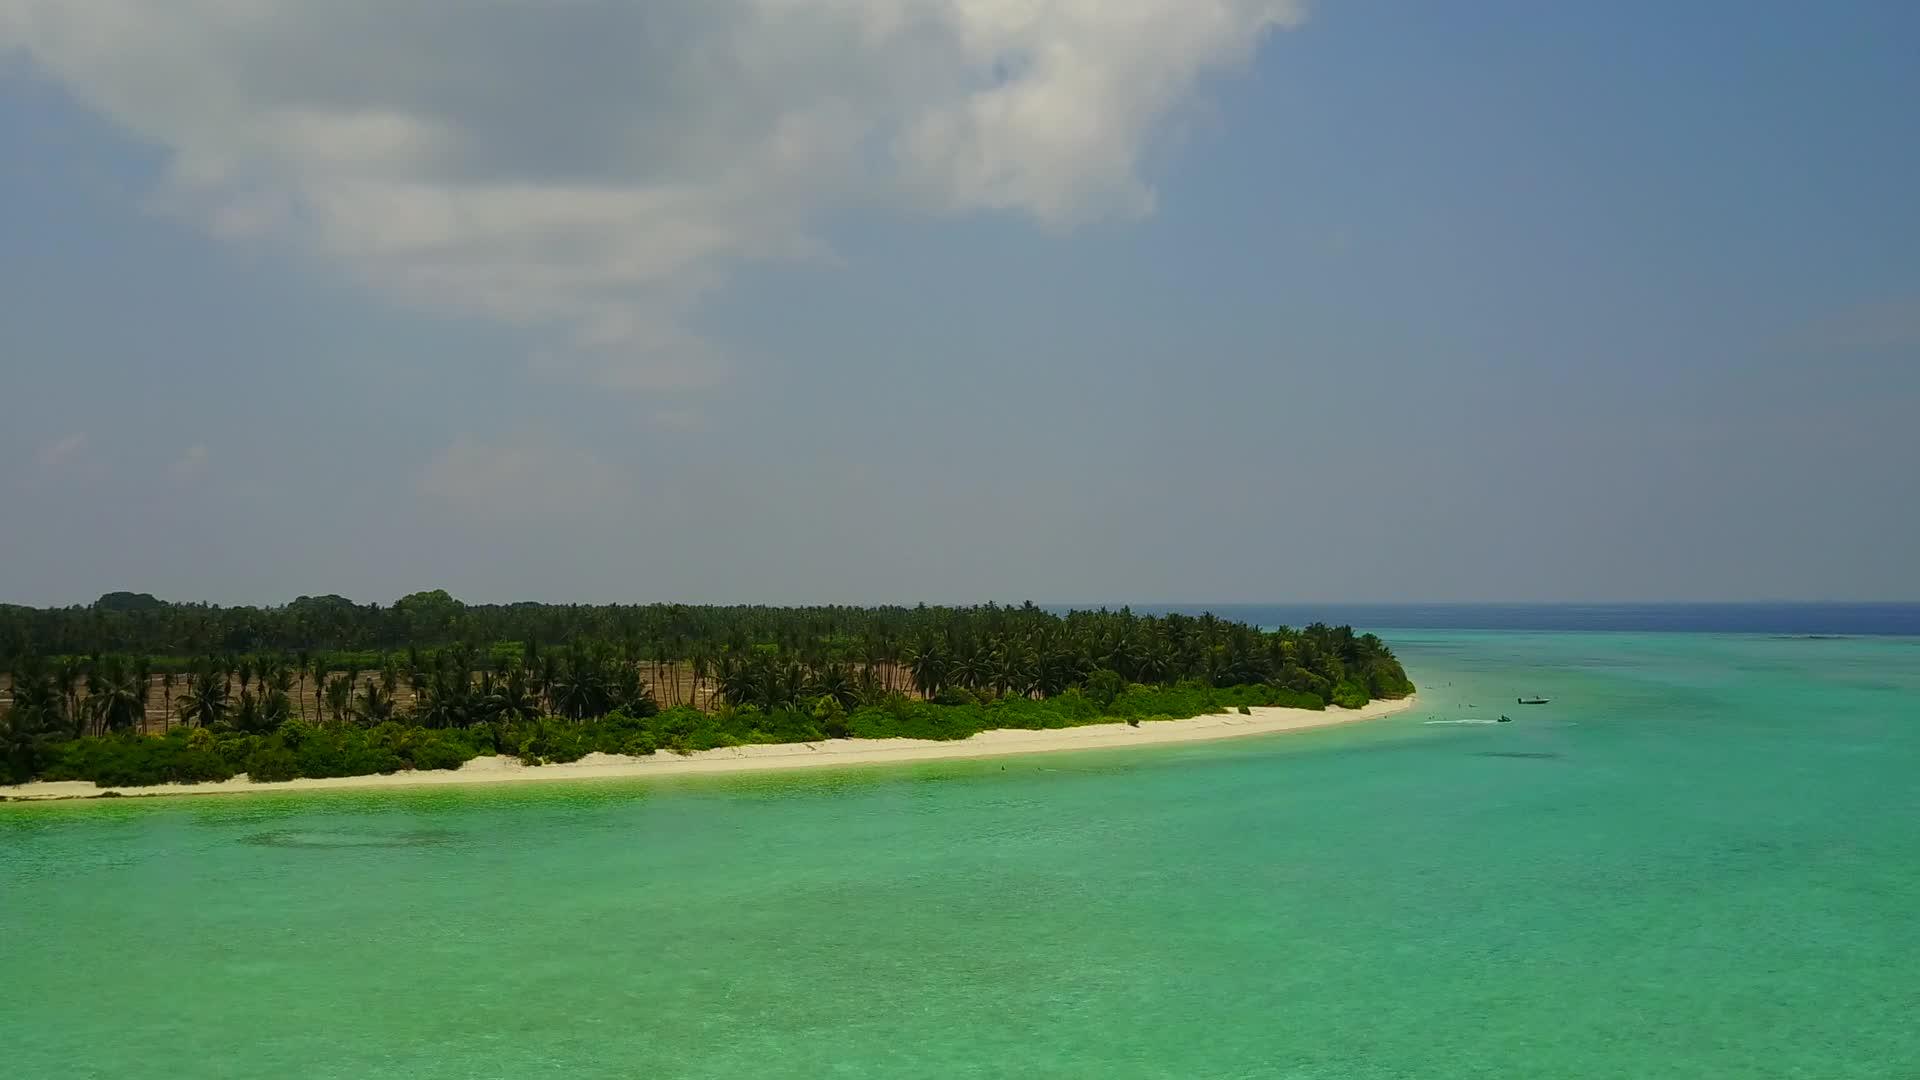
{"x": 1700, "y": 859}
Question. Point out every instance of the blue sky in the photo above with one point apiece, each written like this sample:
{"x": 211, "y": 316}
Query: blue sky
{"x": 769, "y": 300}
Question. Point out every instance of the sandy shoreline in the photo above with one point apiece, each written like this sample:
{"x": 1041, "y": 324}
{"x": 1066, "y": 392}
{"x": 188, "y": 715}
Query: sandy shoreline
{"x": 771, "y": 758}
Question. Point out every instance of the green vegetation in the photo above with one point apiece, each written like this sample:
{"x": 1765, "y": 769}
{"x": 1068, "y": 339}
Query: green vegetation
{"x": 337, "y": 689}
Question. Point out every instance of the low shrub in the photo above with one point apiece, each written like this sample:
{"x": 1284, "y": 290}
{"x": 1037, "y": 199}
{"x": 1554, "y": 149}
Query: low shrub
{"x": 1296, "y": 699}
{"x": 272, "y": 763}
{"x": 1350, "y": 695}
{"x": 441, "y": 754}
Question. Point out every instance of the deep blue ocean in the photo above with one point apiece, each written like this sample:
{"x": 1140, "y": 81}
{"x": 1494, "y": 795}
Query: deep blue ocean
{"x": 1791, "y": 619}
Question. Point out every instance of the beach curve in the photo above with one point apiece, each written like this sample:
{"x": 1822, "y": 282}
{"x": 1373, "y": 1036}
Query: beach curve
{"x": 775, "y": 757}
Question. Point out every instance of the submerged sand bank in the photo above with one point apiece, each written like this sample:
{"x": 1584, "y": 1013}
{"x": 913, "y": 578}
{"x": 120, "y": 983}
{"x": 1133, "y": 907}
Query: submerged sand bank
{"x": 774, "y": 758}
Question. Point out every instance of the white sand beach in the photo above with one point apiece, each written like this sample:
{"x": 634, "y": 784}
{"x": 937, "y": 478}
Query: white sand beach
{"x": 773, "y": 758}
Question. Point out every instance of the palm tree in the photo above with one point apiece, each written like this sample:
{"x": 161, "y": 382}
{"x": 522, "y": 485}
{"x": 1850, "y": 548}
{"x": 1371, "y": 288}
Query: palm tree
{"x": 791, "y": 687}
{"x": 339, "y": 694}
{"x": 659, "y": 666}
{"x": 143, "y": 673}
{"x": 67, "y": 673}
{"x": 275, "y": 707}
{"x": 1156, "y": 661}
{"x": 374, "y": 705}
{"x": 628, "y": 692}
{"x": 246, "y": 715}
{"x": 115, "y": 697}
{"x": 833, "y": 680}
{"x": 1012, "y": 670}
{"x": 581, "y": 691}
{"x": 441, "y": 703}
{"x": 729, "y": 678}
{"x": 320, "y": 670}
{"x": 702, "y": 665}
{"x": 205, "y": 703}
{"x": 545, "y": 677}
{"x": 868, "y": 687}
{"x": 968, "y": 668}
{"x": 892, "y": 651}
{"x": 929, "y": 667}
{"x": 244, "y": 669}
{"x": 166, "y": 698}
{"x": 35, "y": 718}
{"x": 276, "y": 694}
{"x": 513, "y": 698}
{"x": 417, "y": 683}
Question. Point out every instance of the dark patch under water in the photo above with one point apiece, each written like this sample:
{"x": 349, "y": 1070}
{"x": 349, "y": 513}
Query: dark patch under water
{"x": 1527, "y": 754}
{"x": 320, "y": 838}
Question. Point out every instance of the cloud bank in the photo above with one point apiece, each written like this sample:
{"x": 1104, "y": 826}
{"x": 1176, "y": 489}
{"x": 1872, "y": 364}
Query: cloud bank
{"x": 594, "y": 168}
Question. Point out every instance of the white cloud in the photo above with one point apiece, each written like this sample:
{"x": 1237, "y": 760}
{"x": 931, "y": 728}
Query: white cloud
{"x": 191, "y": 463}
{"x": 61, "y": 451}
{"x": 520, "y": 478}
{"x": 595, "y": 167}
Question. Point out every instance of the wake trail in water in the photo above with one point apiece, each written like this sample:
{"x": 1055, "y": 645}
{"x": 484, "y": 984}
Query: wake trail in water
{"x": 1474, "y": 722}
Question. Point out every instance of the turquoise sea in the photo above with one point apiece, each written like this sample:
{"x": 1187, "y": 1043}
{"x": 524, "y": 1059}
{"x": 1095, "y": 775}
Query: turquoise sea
{"x": 1702, "y": 859}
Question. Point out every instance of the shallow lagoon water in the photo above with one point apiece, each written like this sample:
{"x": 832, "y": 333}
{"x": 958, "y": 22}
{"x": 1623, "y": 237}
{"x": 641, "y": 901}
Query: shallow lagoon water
{"x": 1702, "y": 859}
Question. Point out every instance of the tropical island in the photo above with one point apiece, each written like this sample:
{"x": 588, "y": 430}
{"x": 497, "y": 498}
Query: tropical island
{"x": 132, "y": 691}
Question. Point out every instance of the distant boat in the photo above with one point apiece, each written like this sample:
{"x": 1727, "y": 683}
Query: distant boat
{"x": 1504, "y": 719}
{"x": 1531, "y": 700}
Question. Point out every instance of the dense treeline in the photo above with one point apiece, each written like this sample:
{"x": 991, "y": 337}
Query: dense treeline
{"x": 544, "y": 682}
{"x": 138, "y": 624}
